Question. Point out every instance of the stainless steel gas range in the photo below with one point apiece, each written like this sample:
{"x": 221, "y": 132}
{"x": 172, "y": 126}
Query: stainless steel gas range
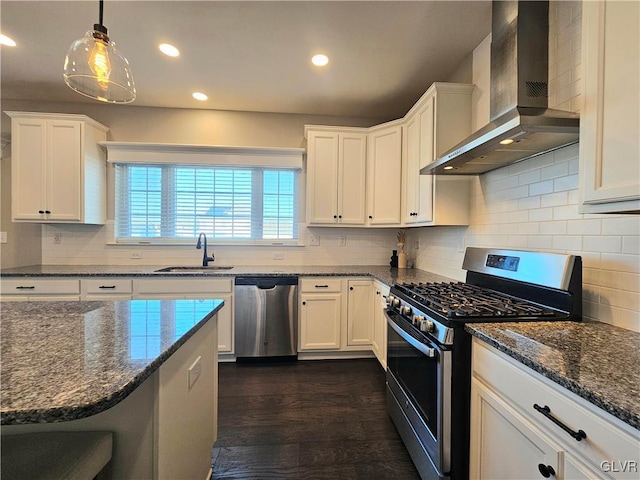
{"x": 428, "y": 351}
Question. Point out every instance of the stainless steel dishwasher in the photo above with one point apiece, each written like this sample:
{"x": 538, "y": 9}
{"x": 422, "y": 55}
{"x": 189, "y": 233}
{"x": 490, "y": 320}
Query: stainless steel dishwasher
{"x": 266, "y": 318}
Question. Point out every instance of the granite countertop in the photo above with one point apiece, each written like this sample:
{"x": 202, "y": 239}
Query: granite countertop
{"x": 597, "y": 361}
{"x": 68, "y": 360}
{"x": 383, "y": 273}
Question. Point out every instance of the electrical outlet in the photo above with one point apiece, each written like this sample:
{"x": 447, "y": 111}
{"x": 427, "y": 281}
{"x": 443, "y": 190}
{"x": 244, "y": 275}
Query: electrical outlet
{"x": 343, "y": 241}
{"x": 136, "y": 255}
{"x": 3, "y": 237}
{"x": 461, "y": 244}
{"x": 314, "y": 240}
{"x": 417, "y": 245}
{"x": 278, "y": 256}
{"x": 57, "y": 238}
{"x": 194, "y": 371}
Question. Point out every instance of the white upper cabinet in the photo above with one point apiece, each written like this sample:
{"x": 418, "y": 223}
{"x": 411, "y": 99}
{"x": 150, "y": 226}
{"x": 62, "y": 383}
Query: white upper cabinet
{"x": 437, "y": 122}
{"x": 336, "y": 165}
{"x": 610, "y": 116}
{"x": 58, "y": 170}
{"x": 384, "y": 166}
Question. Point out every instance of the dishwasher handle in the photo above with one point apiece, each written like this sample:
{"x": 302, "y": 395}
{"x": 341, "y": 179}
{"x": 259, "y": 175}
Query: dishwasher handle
{"x": 267, "y": 282}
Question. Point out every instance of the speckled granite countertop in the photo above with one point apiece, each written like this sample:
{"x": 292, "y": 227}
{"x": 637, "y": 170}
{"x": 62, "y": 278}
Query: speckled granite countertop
{"x": 597, "y": 361}
{"x": 68, "y": 360}
{"x": 385, "y": 274}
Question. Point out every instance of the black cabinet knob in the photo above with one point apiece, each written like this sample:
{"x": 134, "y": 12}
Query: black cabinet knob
{"x": 350, "y": 288}
{"x": 47, "y": 212}
{"x": 371, "y": 216}
{"x": 304, "y": 303}
{"x": 40, "y": 212}
{"x": 546, "y": 470}
{"x": 335, "y": 216}
{"x": 339, "y": 216}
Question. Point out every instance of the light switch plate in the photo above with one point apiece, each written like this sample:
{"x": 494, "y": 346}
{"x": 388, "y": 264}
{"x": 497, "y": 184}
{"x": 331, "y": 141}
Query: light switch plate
{"x": 3, "y": 237}
{"x": 278, "y": 256}
{"x": 343, "y": 241}
{"x": 314, "y": 240}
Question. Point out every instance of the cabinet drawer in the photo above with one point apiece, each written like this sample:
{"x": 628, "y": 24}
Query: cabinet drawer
{"x": 183, "y": 286}
{"x": 321, "y": 284}
{"x": 30, "y": 287}
{"x": 107, "y": 286}
{"x": 524, "y": 387}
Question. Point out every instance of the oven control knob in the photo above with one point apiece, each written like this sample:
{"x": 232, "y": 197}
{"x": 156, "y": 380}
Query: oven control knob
{"x": 394, "y": 302}
{"x": 427, "y": 326}
{"x": 418, "y": 319}
{"x": 405, "y": 310}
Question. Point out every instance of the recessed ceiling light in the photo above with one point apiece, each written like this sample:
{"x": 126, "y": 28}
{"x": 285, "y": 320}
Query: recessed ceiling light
{"x": 200, "y": 96}
{"x": 4, "y": 40}
{"x": 508, "y": 141}
{"x": 449, "y": 167}
{"x": 169, "y": 50}
{"x": 319, "y": 60}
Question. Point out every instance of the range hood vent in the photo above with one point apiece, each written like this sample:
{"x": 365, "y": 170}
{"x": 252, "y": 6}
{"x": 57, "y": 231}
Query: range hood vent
{"x": 522, "y": 125}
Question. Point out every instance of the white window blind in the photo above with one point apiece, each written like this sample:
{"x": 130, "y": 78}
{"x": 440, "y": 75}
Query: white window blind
{"x": 172, "y": 202}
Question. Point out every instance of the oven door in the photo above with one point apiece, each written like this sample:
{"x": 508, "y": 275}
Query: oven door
{"x": 419, "y": 380}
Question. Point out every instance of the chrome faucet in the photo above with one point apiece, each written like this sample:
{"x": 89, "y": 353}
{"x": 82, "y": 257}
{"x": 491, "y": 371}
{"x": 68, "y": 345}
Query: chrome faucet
{"x": 205, "y": 259}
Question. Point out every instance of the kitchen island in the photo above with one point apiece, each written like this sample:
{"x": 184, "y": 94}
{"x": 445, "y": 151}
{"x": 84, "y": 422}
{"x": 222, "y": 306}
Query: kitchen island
{"x": 143, "y": 369}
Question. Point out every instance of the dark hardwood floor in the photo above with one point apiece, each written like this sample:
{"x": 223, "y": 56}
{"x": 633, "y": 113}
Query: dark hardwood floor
{"x": 323, "y": 419}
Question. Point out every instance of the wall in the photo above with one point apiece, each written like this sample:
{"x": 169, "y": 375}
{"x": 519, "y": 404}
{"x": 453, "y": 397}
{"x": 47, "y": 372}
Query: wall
{"x": 82, "y": 244}
{"x": 534, "y": 204}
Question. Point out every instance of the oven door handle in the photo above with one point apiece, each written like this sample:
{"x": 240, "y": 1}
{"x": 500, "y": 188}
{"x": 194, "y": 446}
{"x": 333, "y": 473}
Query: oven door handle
{"x": 428, "y": 351}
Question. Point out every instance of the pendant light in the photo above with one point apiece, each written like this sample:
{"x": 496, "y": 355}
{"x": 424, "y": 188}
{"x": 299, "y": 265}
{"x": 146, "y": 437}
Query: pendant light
{"x": 94, "y": 67}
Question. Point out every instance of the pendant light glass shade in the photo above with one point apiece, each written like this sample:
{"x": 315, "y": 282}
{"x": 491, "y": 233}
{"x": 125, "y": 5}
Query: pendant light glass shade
{"x": 95, "y": 68}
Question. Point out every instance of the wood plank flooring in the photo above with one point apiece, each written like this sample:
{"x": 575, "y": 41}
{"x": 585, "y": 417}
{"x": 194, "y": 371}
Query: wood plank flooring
{"x": 322, "y": 419}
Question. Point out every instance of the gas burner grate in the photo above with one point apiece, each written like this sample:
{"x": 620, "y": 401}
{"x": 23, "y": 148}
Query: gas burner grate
{"x": 463, "y": 301}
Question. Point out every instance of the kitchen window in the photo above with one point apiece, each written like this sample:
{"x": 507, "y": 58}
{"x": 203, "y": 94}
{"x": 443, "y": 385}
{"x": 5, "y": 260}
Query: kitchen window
{"x": 172, "y": 203}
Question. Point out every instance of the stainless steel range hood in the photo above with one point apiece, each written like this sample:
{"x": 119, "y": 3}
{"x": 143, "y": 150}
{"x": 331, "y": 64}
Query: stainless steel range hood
{"x": 521, "y": 124}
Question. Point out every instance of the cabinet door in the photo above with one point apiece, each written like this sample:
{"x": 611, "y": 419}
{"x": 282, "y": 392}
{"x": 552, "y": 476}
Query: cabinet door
{"x": 411, "y": 168}
{"x": 503, "y": 444}
{"x": 427, "y": 126}
{"x": 384, "y": 176}
{"x": 610, "y": 118}
{"x": 574, "y": 469}
{"x": 359, "y": 313}
{"x": 379, "y": 337}
{"x": 352, "y": 159}
{"x": 64, "y": 170}
{"x": 28, "y": 176}
{"x": 320, "y": 322}
{"x": 225, "y": 323}
{"x": 322, "y": 178}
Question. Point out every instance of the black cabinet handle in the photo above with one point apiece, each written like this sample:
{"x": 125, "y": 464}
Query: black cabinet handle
{"x": 377, "y": 292}
{"x": 40, "y": 212}
{"x": 47, "y": 212}
{"x": 546, "y": 411}
{"x": 107, "y": 286}
{"x": 322, "y": 286}
{"x": 546, "y": 470}
{"x": 25, "y": 288}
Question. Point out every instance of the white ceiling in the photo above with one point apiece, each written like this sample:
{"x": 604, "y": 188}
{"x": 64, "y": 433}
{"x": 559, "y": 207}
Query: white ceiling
{"x": 252, "y": 56}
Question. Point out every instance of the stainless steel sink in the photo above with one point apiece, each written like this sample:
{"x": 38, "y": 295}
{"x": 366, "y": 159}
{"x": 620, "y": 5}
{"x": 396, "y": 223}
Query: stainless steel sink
{"x": 192, "y": 269}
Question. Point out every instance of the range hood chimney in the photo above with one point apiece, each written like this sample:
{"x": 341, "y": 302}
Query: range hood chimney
{"x": 521, "y": 125}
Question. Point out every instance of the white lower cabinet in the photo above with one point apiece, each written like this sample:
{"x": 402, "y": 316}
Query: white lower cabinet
{"x": 511, "y": 439}
{"x": 31, "y": 289}
{"x": 166, "y": 288}
{"x": 335, "y": 315}
{"x": 359, "y": 313}
{"x": 320, "y": 314}
{"x": 379, "y": 336}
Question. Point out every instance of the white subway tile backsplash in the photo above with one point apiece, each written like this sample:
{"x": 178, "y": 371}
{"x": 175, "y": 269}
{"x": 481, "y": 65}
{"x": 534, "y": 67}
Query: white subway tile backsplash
{"x": 584, "y": 227}
{"x": 605, "y": 244}
{"x": 541, "y": 188}
{"x": 554, "y": 199}
{"x": 631, "y": 245}
{"x": 540, "y": 242}
{"x": 553, "y": 228}
{"x": 554, "y": 171}
{"x": 624, "y": 225}
{"x": 540, "y": 214}
{"x": 568, "y": 182}
{"x": 567, "y": 243}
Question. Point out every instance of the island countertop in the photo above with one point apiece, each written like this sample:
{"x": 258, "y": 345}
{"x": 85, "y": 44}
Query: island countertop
{"x": 69, "y": 360}
{"x": 596, "y": 361}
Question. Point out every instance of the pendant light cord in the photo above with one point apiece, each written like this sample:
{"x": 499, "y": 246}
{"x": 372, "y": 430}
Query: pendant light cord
{"x": 100, "y": 11}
